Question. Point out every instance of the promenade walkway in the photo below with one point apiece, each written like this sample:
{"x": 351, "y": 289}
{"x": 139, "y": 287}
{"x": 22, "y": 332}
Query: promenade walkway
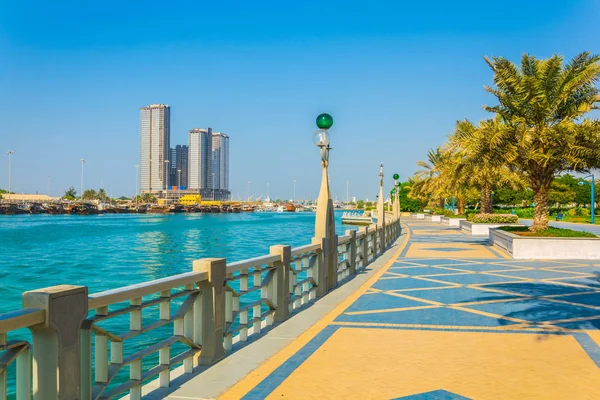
{"x": 448, "y": 318}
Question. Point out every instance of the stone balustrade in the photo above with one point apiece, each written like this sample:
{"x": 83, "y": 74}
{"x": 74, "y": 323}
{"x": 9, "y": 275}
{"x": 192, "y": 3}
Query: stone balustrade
{"x": 104, "y": 345}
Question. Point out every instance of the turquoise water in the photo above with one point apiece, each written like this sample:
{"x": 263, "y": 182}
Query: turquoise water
{"x": 114, "y": 250}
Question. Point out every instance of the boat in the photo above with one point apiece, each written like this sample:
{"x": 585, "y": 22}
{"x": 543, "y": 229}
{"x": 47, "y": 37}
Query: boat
{"x": 290, "y": 208}
{"x": 158, "y": 209}
{"x": 280, "y": 209}
{"x": 177, "y": 208}
{"x": 355, "y": 218}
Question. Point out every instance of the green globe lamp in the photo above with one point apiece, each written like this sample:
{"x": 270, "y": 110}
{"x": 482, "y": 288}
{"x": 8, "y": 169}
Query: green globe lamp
{"x": 324, "y": 121}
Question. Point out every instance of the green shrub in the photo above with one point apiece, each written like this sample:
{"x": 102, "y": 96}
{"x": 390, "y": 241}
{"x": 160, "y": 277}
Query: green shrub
{"x": 444, "y": 212}
{"x": 469, "y": 214}
{"x": 524, "y": 212}
{"x": 494, "y": 219}
{"x": 579, "y": 212}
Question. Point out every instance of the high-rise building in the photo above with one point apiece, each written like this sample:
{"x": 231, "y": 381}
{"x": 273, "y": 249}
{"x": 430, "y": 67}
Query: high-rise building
{"x": 155, "y": 137}
{"x": 220, "y": 160}
{"x": 200, "y": 159}
{"x": 179, "y": 162}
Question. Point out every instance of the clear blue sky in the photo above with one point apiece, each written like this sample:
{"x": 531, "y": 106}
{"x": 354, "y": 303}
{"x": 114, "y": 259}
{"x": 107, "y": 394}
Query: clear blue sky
{"x": 395, "y": 77}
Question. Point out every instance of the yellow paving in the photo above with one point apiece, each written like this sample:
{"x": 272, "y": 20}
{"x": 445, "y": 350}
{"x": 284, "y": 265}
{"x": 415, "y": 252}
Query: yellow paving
{"x": 467, "y": 326}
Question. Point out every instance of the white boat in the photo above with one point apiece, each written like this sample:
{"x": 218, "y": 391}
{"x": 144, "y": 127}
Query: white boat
{"x": 356, "y": 218}
{"x": 280, "y": 209}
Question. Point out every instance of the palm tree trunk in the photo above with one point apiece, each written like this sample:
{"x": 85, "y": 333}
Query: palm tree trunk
{"x": 540, "y": 207}
{"x": 441, "y": 202}
{"x": 486, "y": 200}
{"x": 461, "y": 206}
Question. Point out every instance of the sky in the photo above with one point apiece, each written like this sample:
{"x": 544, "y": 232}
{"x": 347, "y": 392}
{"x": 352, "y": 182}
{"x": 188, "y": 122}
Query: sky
{"x": 395, "y": 77}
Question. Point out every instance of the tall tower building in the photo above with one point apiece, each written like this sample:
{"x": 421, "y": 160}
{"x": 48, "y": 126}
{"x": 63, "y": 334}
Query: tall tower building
{"x": 200, "y": 159}
{"x": 220, "y": 160}
{"x": 155, "y": 138}
{"x": 179, "y": 162}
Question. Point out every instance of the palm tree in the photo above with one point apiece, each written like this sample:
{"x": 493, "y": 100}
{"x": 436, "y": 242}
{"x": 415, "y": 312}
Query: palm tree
{"x": 475, "y": 165}
{"x": 542, "y": 103}
{"x": 102, "y": 196}
{"x": 417, "y": 191}
{"x": 430, "y": 175}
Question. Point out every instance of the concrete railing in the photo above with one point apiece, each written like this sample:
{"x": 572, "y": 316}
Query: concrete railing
{"x": 81, "y": 349}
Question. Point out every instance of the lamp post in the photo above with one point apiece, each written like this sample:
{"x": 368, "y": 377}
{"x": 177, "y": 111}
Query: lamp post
{"x": 396, "y": 206}
{"x": 179, "y": 184}
{"x": 166, "y": 180}
{"x": 592, "y": 183}
{"x": 380, "y": 201}
{"x": 10, "y": 153}
{"x": 324, "y": 221}
{"x": 81, "y": 183}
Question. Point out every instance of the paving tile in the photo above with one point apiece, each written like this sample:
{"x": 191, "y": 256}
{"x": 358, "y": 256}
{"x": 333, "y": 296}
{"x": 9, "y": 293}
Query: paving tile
{"x": 536, "y": 310}
{"x": 458, "y": 295}
{"x": 427, "y": 317}
{"x": 380, "y": 301}
{"x": 405, "y": 283}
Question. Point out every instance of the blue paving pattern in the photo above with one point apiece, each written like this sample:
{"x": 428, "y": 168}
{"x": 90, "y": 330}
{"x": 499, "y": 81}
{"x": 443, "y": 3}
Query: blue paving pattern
{"x": 435, "y": 395}
{"x": 485, "y": 295}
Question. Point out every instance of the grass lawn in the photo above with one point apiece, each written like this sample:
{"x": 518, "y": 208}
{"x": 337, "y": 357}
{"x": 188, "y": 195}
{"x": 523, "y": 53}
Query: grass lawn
{"x": 580, "y": 220}
{"x": 550, "y": 232}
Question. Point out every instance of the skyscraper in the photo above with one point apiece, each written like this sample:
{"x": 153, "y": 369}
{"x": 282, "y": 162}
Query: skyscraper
{"x": 200, "y": 159}
{"x": 179, "y": 161}
{"x": 155, "y": 138}
{"x": 220, "y": 160}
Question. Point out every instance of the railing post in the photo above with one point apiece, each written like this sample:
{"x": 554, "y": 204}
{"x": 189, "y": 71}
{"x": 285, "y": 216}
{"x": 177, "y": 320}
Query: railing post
{"x": 333, "y": 260}
{"x": 56, "y": 342}
{"x": 282, "y": 281}
{"x": 365, "y": 249}
{"x": 213, "y": 309}
{"x": 375, "y": 240}
{"x": 352, "y": 251}
{"x": 321, "y": 270}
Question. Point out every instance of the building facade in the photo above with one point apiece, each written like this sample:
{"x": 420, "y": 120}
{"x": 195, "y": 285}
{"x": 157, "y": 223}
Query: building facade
{"x": 155, "y": 138}
{"x": 220, "y": 160}
{"x": 179, "y": 162}
{"x": 200, "y": 159}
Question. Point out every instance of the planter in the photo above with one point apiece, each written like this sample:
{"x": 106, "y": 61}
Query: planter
{"x": 452, "y": 221}
{"x": 436, "y": 218}
{"x": 420, "y": 216}
{"x": 520, "y": 247}
{"x": 428, "y": 217}
{"x": 480, "y": 229}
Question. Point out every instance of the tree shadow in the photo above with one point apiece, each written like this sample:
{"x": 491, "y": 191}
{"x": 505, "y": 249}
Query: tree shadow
{"x": 568, "y": 308}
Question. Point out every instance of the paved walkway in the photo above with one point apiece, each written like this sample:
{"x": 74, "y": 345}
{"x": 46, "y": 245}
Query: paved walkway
{"x": 448, "y": 318}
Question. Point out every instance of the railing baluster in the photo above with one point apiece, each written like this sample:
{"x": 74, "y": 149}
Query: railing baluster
{"x": 24, "y": 375}
{"x": 244, "y": 314}
{"x": 256, "y": 312}
{"x": 135, "y": 369}
{"x": 135, "y": 374}
{"x": 101, "y": 359}
{"x": 228, "y": 339}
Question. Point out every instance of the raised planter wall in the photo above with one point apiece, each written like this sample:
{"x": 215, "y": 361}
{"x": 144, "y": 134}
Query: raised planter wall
{"x": 480, "y": 229}
{"x": 520, "y": 247}
{"x": 420, "y": 216}
{"x": 436, "y": 218}
{"x": 452, "y": 221}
